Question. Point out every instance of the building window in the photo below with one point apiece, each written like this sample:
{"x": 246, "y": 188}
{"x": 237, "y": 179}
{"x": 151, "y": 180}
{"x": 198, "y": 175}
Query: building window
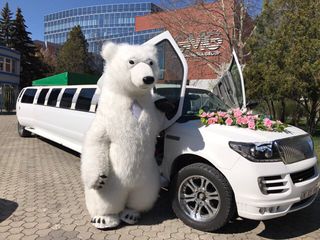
{"x": 1, "y": 63}
{"x": 52, "y": 101}
{"x": 28, "y": 95}
{"x": 84, "y": 99}
{"x": 42, "y": 96}
{"x": 8, "y": 65}
{"x": 13, "y": 68}
{"x": 67, "y": 96}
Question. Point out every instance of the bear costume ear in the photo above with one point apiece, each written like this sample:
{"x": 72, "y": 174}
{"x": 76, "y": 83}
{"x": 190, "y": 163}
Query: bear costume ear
{"x": 108, "y": 50}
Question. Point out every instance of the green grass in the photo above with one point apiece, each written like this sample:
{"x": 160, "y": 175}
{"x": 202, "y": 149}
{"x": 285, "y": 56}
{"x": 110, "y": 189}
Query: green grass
{"x": 316, "y": 140}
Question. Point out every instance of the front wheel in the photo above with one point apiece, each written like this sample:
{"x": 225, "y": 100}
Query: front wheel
{"x": 22, "y": 131}
{"x": 202, "y": 197}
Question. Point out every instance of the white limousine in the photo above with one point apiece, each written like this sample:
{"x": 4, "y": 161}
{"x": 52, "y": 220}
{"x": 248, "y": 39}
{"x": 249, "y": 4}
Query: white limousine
{"x": 213, "y": 172}
{"x": 60, "y": 113}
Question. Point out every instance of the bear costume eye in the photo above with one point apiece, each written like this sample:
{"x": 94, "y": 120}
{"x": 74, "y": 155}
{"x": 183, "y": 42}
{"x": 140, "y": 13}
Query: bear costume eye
{"x": 151, "y": 63}
{"x": 131, "y": 62}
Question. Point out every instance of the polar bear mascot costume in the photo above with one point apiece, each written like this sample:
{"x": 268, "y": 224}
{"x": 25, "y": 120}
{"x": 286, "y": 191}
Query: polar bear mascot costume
{"x": 119, "y": 172}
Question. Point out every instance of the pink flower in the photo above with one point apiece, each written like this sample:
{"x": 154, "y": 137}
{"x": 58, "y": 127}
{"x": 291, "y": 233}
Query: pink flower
{"x": 212, "y": 120}
{"x": 211, "y": 114}
{"x": 244, "y": 120}
{"x": 237, "y": 112}
{"x": 267, "y": 122}
{"x": 239, "y": 120}
{"x": 251, "y": 125}
{"x": 203, "y": 115}
{"x": 221, "y": 114}
{"x": 229, "y": 121}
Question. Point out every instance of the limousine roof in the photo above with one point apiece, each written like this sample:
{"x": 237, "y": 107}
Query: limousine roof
{"x": 66, "y": 78}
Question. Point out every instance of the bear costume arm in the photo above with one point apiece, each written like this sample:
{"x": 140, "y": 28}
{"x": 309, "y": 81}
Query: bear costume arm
{"x": 95, "y": 162}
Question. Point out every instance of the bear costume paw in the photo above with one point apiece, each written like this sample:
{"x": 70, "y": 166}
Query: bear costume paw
{"x": 130, "y": 216}
{"x": 100, "y": 182}
{"x": 104, "y": 222}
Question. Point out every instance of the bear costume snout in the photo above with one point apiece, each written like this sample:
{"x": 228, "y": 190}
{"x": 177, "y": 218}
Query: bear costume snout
{"x": 148, "y": 80}
{"x": 142, "y": 75}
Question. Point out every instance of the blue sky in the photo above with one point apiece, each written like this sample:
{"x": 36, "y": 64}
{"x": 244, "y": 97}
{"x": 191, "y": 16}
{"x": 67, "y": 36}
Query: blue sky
{"x": 35, "y": 10}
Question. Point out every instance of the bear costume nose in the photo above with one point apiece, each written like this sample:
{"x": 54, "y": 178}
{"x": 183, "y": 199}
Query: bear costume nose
{"x": 148, "y": 80}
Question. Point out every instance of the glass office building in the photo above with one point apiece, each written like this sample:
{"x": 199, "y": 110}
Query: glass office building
{"x": 115, "y": 22}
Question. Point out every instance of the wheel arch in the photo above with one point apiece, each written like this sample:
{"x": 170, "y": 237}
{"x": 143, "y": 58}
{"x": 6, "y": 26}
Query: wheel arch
{"x": 185, "y": 160}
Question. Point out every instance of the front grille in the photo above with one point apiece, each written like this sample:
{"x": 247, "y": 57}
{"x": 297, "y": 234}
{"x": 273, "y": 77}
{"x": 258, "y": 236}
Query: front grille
{"x": 273, "y": 184}
{"x": 295, "y": 149}
{"x": 303, "y": 175}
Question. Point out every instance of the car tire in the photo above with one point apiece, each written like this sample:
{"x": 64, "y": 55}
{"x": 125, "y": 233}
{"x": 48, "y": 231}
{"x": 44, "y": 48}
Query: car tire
{"x": 202, "y": 197}
{"x": 22, "y": 131}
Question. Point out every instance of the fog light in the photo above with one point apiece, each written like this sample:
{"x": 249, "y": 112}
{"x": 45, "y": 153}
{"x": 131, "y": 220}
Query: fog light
{"x": 262, "y": 210}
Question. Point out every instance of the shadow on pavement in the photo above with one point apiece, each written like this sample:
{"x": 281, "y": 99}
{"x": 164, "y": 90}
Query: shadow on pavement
{"x": 160, "y": 212}
{"x": 7, "y": 113}
{"x": 7, "y": 208}
{"x": 294, "y": 224}
{"x": 238, "y": 225}
{"x": 57, "y": 145}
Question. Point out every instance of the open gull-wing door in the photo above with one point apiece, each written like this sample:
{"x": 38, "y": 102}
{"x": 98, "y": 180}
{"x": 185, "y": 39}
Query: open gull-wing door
{"x": 230, "y": 87}
{"x": 172, "y": 79}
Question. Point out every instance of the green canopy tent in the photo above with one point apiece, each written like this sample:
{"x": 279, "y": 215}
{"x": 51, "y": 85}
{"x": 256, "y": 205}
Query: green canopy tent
{"x": 66, "y": 78}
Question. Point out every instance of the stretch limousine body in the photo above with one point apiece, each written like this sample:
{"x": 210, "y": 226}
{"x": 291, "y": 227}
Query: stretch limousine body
{"x": 213, "y": 172}
{"x": 62, "y": 114}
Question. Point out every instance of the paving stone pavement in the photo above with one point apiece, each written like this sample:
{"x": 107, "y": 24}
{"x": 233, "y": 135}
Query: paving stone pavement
{"x": 41, "y": 197}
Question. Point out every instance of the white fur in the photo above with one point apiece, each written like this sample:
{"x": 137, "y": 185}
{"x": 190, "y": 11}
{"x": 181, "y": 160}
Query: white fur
{"x": 119, "y": 143}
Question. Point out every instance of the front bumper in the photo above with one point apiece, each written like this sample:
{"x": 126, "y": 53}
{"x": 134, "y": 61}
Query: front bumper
{"x": 254, "y": 203}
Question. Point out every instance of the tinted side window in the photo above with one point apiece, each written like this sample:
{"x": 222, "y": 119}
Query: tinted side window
{"x": 52, "y": 101}
{"x": 28, "y": 95}
{"x": 67, "y": 96}
{"x": 42, "y": 96}
{"x": 84, "y": 99}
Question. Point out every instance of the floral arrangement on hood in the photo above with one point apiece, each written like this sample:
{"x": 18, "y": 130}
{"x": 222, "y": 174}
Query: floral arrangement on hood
{"x": 241, "y": 118}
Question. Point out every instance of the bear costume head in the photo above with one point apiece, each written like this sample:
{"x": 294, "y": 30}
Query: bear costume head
{"x": 129, "y": 69}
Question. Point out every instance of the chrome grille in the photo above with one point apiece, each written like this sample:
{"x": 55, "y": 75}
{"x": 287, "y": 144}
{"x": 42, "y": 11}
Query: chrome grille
{"x": 273, "y": 184}
{"x": 295, "y": 149}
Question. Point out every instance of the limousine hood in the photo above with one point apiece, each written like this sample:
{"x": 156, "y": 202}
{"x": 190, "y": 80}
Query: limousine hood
{"x": 234, "y": 133}
{"x": 195, "y": 129}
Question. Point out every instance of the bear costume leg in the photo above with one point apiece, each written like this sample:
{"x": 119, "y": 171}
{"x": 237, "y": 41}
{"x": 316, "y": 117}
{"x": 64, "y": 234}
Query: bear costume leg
{"x": 130, "y": 216}
{"x": 105, "y": 204}
{"x": 141, "y": 199}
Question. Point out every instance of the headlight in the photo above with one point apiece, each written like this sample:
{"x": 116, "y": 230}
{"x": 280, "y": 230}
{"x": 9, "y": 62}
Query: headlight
{"x": 257, "y": 152}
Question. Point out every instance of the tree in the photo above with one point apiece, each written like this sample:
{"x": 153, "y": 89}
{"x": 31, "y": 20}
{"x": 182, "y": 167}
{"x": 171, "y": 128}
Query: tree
{"x": 285, "y": 57}
{"x": 74, "y": 56}
{"x": 31, "y": 66}
{"x": 6, "y": 26}
{"x": 229, "y": 18}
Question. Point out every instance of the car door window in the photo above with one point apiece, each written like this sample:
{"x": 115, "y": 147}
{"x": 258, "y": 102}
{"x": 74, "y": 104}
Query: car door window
{"x": 84, "y": 99}
{"x": 28, "y": 95}
{"x": 52, "y": 101}
{"x": 171, "y": 73}
{"x": 66, "y": 99}
{"x": 42, "y": 96}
